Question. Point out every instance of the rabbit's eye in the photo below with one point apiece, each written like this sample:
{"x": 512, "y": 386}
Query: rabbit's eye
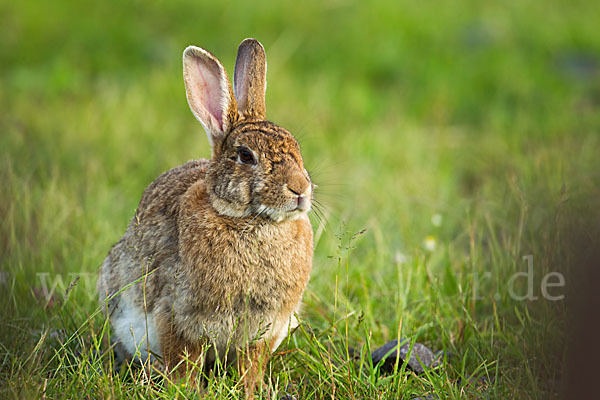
{"x": 245, "y": 156}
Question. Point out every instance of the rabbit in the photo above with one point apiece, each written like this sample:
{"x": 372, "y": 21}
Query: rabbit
{"x": 217, "y": 257}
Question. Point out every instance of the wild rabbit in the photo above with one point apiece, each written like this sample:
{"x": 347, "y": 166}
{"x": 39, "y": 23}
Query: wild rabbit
{"x": 219, "y": 251}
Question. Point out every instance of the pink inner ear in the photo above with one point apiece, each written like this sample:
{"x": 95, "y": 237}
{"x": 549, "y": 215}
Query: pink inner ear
{"x": 209, "y": 90}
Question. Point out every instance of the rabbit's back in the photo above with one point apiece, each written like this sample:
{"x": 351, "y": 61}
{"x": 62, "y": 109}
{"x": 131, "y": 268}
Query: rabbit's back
{"x": 132, "y": 276}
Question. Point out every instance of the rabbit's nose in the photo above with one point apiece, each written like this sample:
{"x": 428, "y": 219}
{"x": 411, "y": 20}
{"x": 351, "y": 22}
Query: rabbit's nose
{"x": 298, "y": 184}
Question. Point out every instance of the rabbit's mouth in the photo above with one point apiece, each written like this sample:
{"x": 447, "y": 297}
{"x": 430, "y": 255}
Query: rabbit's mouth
{"x": 288, "y": 205}
{"x": 294, "y": 209}
{"x": 294, "y": 212}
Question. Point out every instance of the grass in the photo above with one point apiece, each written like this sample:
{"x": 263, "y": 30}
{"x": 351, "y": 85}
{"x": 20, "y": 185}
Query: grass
{"x": 448, "y": 142}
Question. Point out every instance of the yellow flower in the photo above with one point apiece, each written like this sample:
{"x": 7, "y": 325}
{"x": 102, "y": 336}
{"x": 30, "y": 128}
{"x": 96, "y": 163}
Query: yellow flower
{"x": 429, "y": 243}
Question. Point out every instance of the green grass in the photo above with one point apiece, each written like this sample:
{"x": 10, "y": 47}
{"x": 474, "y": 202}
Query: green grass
{"x": 483, "y": 114}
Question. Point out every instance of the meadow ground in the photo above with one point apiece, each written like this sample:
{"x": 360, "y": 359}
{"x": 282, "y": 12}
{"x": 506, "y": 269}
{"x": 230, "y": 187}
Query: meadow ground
{"x": 454, "y": 145}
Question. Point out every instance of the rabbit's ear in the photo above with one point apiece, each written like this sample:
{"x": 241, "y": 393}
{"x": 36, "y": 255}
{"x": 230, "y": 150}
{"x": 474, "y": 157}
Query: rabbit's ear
{"x": 209, "y": 93}
{"x": 250, "y": 79}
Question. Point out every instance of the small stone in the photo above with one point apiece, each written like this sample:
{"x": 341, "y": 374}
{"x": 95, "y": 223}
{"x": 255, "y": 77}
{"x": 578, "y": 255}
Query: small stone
{"x": 420, "y": 356}
{"x": 287, "y": 396}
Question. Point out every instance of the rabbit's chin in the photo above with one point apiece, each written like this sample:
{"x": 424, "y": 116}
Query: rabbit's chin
{"x": 282, "y": 215}
{"x": 244, "y": 211}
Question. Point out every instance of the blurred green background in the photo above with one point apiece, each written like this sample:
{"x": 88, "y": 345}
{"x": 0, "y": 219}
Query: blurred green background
{"x": 461, "y": 135}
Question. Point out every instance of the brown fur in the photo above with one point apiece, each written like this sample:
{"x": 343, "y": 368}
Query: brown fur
{"x": 225, "y": 253}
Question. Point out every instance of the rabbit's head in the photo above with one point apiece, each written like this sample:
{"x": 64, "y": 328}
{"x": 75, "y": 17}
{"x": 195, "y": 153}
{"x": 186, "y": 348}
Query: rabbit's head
{"x": 256, "y": 166}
